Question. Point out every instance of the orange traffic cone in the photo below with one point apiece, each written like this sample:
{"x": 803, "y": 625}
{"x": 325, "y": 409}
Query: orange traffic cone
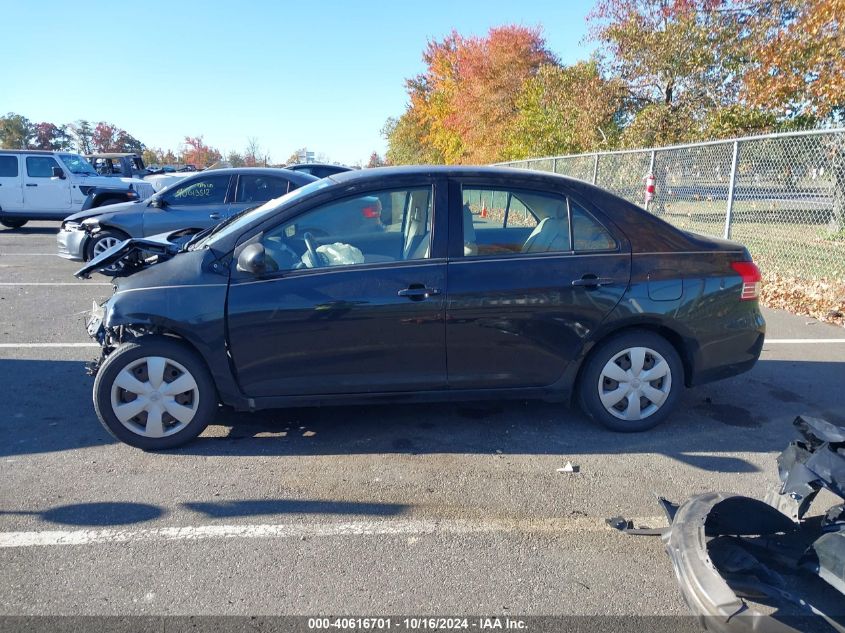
{"x": 483, "y": 209}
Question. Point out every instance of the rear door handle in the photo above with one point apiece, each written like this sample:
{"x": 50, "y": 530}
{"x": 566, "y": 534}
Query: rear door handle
{"x": 593, "y": 281}
{"x": 418, "y": 292}
{"x": 30, "y": 184}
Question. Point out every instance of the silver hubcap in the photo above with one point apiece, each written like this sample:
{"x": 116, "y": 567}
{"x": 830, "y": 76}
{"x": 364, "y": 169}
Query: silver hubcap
{"x": 154, "y": 397}
{"x": 635, "y": 383}
{"x": 104, "y": 244}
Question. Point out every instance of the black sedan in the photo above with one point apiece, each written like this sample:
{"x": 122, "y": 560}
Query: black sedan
{"x": 481, "y": 283}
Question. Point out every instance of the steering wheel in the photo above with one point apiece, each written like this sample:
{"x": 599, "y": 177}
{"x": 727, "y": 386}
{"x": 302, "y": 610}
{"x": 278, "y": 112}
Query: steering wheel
{"x": 313, "y": 255}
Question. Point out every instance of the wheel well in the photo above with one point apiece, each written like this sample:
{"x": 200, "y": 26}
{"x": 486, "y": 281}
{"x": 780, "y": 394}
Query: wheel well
{"x": 674, "y": 339}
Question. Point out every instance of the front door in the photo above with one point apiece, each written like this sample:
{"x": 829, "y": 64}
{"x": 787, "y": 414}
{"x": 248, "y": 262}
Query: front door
{"x": 344, "y": 311}
{"x": 42, "y": 191}
{"x": 198, "y": 202}
{"x": 537, "y": 273}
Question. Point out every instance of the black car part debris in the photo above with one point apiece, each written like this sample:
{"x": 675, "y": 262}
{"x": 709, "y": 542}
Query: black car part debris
{"x": 727, "y": 549}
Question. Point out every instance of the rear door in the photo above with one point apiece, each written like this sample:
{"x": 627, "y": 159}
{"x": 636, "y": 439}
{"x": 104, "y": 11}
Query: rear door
{"x": 532, "y": 274}
{"x": 43, "y": 192}
{"x": 198, "y": 202}
{"x": 255, "y": 189}
{"x": 11, "y": 183}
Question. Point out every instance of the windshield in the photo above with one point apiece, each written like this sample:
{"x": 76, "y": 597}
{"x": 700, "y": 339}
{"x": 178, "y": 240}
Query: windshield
{"x": 265, "y": 210}
{"x": 77, "y": 165}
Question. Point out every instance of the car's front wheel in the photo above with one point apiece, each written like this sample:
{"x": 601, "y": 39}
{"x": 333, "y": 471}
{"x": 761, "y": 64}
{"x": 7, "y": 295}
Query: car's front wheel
{"x": 154, "y": 393}
{"x": 12, "y": 224}
{"x": 100, "y": 243}
{"x": 632, "y": 381}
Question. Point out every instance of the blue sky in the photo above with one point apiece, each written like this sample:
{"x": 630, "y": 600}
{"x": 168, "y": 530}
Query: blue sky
{"x": 325, "y": 75}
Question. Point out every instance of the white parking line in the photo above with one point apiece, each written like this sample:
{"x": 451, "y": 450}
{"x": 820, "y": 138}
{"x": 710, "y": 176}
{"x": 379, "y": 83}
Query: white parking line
{"x": 37, "y": 345}
{"x": 55, "y": 283}
{"x": 803, "y": 341}
{"x": 388, "y": 527}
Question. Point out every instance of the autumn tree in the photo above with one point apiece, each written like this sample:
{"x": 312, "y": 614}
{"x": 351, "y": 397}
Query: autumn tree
{"x": 462, "y": 105}
{"x": 196, "y": 152}
{"x": 235, "y": 159}
{"x": 107, "y": 137}
{"x": 799, "y": 64}
{"x": 50, "y": 136}
{"x": 16, "y": 131}
{"x": 82, "y": 134}
{"x": 565, "y": 110}
{"x": 375, "y": 160}
{"x": 678, "y": 60}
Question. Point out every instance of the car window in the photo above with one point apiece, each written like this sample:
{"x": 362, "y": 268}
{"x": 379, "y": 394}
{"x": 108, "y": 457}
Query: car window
{"x": 9, "y": 166}
{"x": 588, "y": 233}
{"x": 40, "y": 166}
{"x": 206, "y": 190}
{"x": 377, "y": 227}
{"x": 258, "y": 188}
{"x": 77, "y": 164}
{"x": 503, "y": 222}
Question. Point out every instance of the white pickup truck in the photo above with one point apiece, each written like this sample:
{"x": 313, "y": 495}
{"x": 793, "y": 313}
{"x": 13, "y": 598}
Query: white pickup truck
{"x": 42, "y": 185}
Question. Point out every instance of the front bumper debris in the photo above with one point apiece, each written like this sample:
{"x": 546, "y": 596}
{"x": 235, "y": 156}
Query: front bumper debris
{"x": 728, "y": 550}
{"x": 71, "y": 243}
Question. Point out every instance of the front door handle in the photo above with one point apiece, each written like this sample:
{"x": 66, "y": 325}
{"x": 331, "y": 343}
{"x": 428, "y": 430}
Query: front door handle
{"x": 31, "y": 184}
{"x": 214, "y": 216}
{"x": 418, "y": 292}
{"x": 591, "y": 281}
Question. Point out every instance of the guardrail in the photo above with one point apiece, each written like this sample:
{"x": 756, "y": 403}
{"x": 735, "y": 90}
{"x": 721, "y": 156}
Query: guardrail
{"x": 782, "y": 195}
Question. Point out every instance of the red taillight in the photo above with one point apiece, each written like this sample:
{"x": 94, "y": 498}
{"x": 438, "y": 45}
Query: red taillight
{"x": 370, "y": 212}
{"x": 750, "y": 279}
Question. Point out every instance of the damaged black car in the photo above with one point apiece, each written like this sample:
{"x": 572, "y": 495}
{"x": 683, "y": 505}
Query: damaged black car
{"x": 418, "y": 284}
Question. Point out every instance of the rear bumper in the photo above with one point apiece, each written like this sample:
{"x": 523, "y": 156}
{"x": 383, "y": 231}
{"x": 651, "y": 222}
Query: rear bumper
{"x": 732, "y": 351}
{"x": 71, "y": 244}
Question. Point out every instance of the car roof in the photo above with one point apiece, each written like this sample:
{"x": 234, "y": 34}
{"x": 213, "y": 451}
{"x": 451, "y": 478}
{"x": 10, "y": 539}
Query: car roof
{"x": 463, "y": 171}
{"x": 303, "y": 165}
{"x": 34, "y": 151}
{"x": 267, "y": 171}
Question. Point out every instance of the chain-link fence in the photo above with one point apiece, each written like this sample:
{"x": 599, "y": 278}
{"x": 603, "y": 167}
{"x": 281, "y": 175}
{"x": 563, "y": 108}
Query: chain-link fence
{"x": 782, "y": 195}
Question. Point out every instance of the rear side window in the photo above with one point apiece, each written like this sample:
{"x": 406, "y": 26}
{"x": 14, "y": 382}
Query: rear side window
{"x": 257, "y": 188}
{"x": 505, "y": 222}
{"x": 8, "y": 166}
{"x": 588, "y": 234}
{"x": 40, "y": 166}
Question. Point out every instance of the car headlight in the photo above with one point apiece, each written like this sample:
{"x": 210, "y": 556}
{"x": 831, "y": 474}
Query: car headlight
{"x": 70, "y": 226}
{"x": 91, "y": 223}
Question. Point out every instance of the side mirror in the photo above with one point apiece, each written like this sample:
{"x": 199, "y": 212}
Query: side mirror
{"x": 157, "y": 203}
{"x": 59, "y": 173}
{"x": 251, "y": 259}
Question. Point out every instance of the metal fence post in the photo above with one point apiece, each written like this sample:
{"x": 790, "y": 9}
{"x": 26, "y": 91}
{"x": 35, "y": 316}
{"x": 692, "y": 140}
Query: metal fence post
{"x": 650, "y": 173}
{"x": 731, "y": 186}
{"x": 554, "y": 165}
{"x": 596, "y": 169}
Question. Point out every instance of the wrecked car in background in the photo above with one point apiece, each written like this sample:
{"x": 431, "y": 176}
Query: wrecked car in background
{"x": 729, "y": 551}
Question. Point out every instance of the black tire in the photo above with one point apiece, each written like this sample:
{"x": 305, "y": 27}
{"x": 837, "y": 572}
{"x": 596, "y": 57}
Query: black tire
{"x": 10, "y": 223}
{"x": 203, "y": 401}
{"x": 100, "y": 236}
{"x": 589, "y": 386}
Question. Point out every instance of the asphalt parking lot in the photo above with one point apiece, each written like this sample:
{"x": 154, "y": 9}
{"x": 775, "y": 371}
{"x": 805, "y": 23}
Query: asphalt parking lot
{"x": 419, "y": 509}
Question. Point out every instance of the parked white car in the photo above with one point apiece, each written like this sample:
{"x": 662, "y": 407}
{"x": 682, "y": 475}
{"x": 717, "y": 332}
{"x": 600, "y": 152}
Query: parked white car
{"x": 42, "y": 185}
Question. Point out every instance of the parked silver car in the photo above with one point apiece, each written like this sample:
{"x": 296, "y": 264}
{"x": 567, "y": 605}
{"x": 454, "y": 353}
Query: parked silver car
{"x": 196, "y": 202}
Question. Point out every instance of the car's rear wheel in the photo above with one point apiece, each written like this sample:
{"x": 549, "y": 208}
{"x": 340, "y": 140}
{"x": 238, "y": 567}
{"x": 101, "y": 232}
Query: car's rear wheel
{"x": 155, "y": 393}
{"x": 632, "y": 381}
{"x": 100, "y": 243}
{"x": 12, "y": 224}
